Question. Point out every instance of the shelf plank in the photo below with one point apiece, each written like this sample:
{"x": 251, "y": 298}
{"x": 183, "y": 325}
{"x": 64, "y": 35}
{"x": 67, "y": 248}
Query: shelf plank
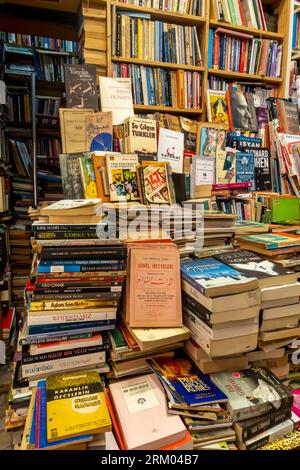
{"x": 170, "y": 17}
{"x": 163, "y": 65}
{"x": 165, "y": 109}
{"x": 246, "y": 29}
{"x": 244, "y": 76}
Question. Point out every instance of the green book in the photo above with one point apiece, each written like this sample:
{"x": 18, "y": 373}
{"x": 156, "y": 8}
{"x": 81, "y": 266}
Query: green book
{"x": 285, "y": 210}
{"x": 232, "y": 12}
{"x": 118, "y": 340}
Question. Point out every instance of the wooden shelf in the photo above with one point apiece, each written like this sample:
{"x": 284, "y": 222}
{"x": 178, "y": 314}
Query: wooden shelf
{"x": 170, "y": 17}
{"x": 244, "y": 76}
{"x": 165, "y": 109}
{"x": 246, "y": 29}
{"x": 164, "y": 65}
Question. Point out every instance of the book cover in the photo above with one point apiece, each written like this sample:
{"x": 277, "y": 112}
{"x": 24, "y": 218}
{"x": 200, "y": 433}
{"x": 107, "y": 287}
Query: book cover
{"x": 73, "y": 129}
{"x": 99, "y": 131}
{"x": 154, "y": 183}
{"x": 79, "y": 411}
{"x": 245, "y": 171}
{"x": 140, "y": 135}
{"x": 71, "y": 175}
{"x": 154, "y": 298}
{"x": 296, "y": 402}
{"x": 101, "y": 176}
{"x": 252, "y": 392}
{"x": 217, "y": 109}
{"x": 140, "y": 406}
{"x": 226, "y": 166}
{"x": 122, "y": 178}
{"x": 262, "y": 168}
{"x": 240, "y": 112}
{"x": 185, "y": 381}
{"x": 189, "y": 129}
{"x": 241, "y": 142}
{"x": 116, "y": 96}
{"x": 170, "y": 149}
{"x": 202, "y": 172}
{"x": 88, "y": 177}
{"x": 209, "y": 276}
{"x": 212, "y": 141}
{"x": 81, "y": 86}
{"x": 272, "y": 241}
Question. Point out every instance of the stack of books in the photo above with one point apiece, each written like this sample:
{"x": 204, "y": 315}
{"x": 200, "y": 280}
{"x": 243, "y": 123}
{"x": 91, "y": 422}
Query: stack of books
{"x": 57, "y": 420}
{"x": 221, "y": 307}
{"x": 260, "y": 406}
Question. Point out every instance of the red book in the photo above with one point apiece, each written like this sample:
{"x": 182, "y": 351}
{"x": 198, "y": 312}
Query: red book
{"x": 216, "y": 51}
{"x": 241, "y": 12}
{"x": 245, "y": 185}
{"x": 242, "y": 56}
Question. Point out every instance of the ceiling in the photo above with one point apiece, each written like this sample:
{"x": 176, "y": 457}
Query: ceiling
{"x": 61, "y": 5}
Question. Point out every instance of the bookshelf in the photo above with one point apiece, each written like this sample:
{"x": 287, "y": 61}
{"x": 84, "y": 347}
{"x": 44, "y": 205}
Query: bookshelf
{"x": 208, "y": 20}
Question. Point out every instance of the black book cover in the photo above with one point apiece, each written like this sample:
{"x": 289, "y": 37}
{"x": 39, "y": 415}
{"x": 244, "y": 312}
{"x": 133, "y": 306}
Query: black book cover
{"x": 262, "y": 167}
{"x": 249, "y": 428}
{"x": 81, "y": 86}
{"x": 251, "y": 265}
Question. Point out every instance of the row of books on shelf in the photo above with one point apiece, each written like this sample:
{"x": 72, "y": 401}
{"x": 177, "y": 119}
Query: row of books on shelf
{"x": 60, "y": 45}
{"x": 296, "y": 32}
{"x": 194, "y": 7}
{"x": 241, "y": 52}
{"x": 161, "y": 87}
{"x": 155, "y": 40}
{"x": 241, "y": 12}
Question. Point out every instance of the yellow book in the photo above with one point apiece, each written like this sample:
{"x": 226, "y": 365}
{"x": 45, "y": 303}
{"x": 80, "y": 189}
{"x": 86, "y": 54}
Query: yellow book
{"x": 76, "y": 405}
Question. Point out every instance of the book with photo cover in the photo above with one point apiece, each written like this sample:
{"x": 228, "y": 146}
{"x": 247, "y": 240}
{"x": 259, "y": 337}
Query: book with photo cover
{"x": 81, "y": 86}
{"x": 241, "y": 111}
{"x": 262, "y": 168}
{"x": 71, "y": 175}
{"x": 102, "y": 183}
{"x": 189, "y": 128}
{"x": 122, "y": 178}
{"x": 99, "y": 131}
{"x": 217, "y": 108}
{"x": 252, "y": 392}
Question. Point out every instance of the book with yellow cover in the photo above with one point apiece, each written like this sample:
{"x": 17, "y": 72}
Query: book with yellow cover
{"x": 76, "y": 405}
{"x": 217, "y": 109}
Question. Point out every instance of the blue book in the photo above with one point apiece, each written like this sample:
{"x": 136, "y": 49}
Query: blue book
{"x": 213, "y": 278}
{"x": 294, "y": 40}
{"x": 210, "y": 48}
{"x": 75, "y": 262}
{"x": 187, "y": 384}
{"x": 42, "y": 425}
{"x": 240, "y": 141}
{"x": 64, "y": 327}
{"x": 245, "y": 170}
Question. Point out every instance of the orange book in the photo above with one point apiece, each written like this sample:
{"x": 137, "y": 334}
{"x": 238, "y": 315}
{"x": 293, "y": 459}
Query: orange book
{"x": 264, "y": 57}
{"x": 114, "y": 421}
{"x": 99, "y": 162}
{"x": 180, "y": 88}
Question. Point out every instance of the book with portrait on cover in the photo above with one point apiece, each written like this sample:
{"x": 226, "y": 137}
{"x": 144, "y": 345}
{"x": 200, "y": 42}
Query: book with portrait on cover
{"x": 121, "y": 171}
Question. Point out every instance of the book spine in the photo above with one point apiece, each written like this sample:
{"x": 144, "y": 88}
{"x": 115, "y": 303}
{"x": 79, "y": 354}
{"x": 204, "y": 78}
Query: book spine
{"x": 75, "y": 296}
{"x": 262, "y": 423}
{"x": 44, "y": 339}
{"x": 271, "y": 437}
{"x": 81, "y": 254}
{"x": 65, "y": 235}
{"x": 60, "y": 328}
{"x": 67, "y": 305}
{"x": 31, "y": 370}
{"x": 79, "y": 268}
{"x": 58, "y": 355}
{"x": 86, "y": 262}
{"x": 57, "y": 284}
{"x": 66, "y": 318}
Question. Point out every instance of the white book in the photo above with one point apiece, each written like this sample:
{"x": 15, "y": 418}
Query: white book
{"x": 170, "y": 149}
{"x": 281, "y": 312}
{"x": 81, "y": 317}
{"x": 202, "y": 172}
{"x": 280, "y": 292}
{"x": 116, "y": 96}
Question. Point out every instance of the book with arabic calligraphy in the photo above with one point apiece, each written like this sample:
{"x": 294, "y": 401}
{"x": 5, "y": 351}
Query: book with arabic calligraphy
{"x": 153, "y": 291}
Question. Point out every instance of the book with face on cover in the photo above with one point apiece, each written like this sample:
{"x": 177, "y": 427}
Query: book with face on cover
{"x": 100, "y": 169}
{"x": 154, "y": 294}
{"x": 141, "y": 410}
{"x": 122, "y": 178}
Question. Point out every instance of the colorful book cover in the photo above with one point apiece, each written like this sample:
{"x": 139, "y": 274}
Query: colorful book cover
{"x": 102, "y": 184}
{"x": 88, "y": 177}
{"x": 122, "y": 177}
{"x": 245, "y": 168}
{"x": 217, "y": 109}
{"x": 262, "y": 168}
{"x": 155, "y": 183}
{"x": 99, "y": 130}
{"x": 212, "y": 141}
{"x": 81, "y": 86}
{"x": 71, "y": 175}
{"x": 170, "y": 149}
{"x": 296, "y": 402}
{"x": 206, "y": 273}
{"x": 226, "y": 166}
{"x": 272, "y": 241}
{"x": 240, "y": 142}
{"x": 185, "y": 381}
{"x": 79, "y": 411}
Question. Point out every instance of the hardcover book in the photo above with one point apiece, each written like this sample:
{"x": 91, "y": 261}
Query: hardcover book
{"x": 154, "y": 298}
{"x": 122, "y": 178}
{"x": 140, "y": 135}
{"x": 170, "y": 149}
{"x": 185, "y": 381}
{"x": 217, "y": 109}
{"x": 252, "y": 392}
{"x": 245, "y": 171}
{"x": 81, "y": 86}
{"x": 116, "y": 96}
{"x": 81, "y": 410}
{"x": 213, "y": 278}
{"x": 99, "y": 131}
{"x": 142, "y": 414}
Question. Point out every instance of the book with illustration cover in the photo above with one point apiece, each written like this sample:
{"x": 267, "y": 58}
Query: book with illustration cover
{"x": 212, "y": 140}
{"x": 122, "y": 178}
{"x": 189, "y": 129}
{"x": 226, "y": 166}
{"x": 185, "y": 382}
{"x": 81, "y": 86}
{"x": 154, "y": 183}
{"x": 217, "y": 109}
{"x": 99, "y": 131}
{"x": 88, "y": 177}
{"x": 82, "y": 410}
{"x": 71, "y": 175}
{"x": 213, "y": 278}
{"x": 252, "y": 392}
{"x": 101, "y": 176}
{"x": 245, "y": 171}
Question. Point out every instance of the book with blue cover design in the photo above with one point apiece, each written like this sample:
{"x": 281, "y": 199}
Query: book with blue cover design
{"x": 245, "y": 171}
{"x": 185, "y": 382}
{"x": 213, "y": 278}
